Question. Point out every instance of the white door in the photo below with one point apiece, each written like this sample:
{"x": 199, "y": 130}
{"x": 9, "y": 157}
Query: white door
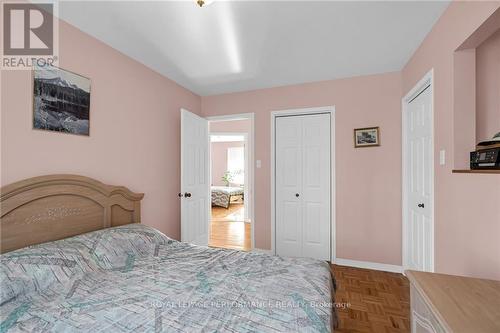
{"x": 195, "y": 200}
{"x": 302, "y": 189}
{"x": 419, "y": 180}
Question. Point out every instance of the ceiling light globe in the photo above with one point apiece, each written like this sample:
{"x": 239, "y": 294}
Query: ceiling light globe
{"x": 204, "y": 3}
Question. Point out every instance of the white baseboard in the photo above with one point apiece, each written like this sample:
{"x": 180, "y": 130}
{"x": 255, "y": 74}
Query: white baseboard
{"x": 369, "y": 265}
{"x": 262, "y": 251}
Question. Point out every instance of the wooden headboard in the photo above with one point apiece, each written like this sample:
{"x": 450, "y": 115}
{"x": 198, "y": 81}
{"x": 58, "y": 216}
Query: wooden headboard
{"x": 48, "y": 208}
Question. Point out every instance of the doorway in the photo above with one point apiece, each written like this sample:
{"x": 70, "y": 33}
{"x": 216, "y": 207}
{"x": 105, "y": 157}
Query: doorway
{"x": 418, "y": 176}
{"x": 231, "y": 182}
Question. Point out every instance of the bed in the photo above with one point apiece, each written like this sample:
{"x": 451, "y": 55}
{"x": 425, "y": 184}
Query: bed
{"x": 122, "y": 276}
{"x": 222, "y": 195}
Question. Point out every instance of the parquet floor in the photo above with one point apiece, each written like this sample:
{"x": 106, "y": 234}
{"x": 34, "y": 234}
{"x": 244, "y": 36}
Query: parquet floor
{"x": 378, "y": 301}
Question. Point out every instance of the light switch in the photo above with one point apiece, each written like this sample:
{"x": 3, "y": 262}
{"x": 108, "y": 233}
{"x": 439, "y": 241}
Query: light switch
{"x": 442, "y": 157}
{"x": 258, "y": 164}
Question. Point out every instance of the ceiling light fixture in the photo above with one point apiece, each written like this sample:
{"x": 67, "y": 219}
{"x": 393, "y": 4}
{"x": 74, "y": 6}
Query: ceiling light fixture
{"x": 205, "y": 3}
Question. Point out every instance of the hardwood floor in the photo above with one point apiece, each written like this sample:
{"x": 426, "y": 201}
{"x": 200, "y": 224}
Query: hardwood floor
{"x": 230, "y": 235}
{"x": 378, "y": 301}
{"x": 225, "y": 232}
{"x": 235, "y": 212}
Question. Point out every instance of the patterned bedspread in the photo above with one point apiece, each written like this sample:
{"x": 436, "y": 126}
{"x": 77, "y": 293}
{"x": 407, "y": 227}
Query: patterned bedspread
{"x": 221, "y": 195}
{"x": 135, "y": 279}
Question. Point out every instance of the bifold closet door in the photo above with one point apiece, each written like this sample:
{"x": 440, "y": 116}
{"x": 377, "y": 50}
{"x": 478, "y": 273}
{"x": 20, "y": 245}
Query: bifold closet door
{"x": 303, "y": 186}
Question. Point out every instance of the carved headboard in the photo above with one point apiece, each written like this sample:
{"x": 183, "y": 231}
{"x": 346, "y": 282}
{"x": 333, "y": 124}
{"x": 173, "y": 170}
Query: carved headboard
{"x": 48, "y": 208}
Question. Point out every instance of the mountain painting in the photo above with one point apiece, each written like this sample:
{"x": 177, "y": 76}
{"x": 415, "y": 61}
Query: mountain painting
{"x": 61, "y": 101}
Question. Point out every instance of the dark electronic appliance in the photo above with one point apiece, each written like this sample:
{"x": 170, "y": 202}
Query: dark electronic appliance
{"x": 485, "y": 159}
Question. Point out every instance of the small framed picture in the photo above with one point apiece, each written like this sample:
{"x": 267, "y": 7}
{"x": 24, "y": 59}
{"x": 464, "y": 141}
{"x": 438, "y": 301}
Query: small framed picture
{"x": 366, "y": 137}
{"x": 61, "y": 101}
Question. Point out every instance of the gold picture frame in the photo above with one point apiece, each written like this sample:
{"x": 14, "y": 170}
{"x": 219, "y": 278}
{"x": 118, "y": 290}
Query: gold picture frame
{"x": 366, "y": 137}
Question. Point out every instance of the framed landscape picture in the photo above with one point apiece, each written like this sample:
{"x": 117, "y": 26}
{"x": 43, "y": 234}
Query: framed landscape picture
{"x": 61, "y": 101}
{"x": 366, "y": 137}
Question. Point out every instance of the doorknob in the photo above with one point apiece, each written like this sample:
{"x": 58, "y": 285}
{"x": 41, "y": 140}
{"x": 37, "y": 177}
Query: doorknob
{"x": 187, "y": 195}
{"x": 297, "y": 195}
{"x": 180, "y": 195}
{"x": 421, "y": 205}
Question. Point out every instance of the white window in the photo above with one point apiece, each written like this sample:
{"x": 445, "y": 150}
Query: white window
{"x": 236, "y": 164}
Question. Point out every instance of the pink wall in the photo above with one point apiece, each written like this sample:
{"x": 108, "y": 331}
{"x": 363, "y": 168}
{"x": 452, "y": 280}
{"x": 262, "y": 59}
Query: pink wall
{"x": 488, "y": 88}
{"x": 231, "y": 126}
{"x": 134, "y": 129}
{"x": 368, "y": 180}
{"x": 467, "y": 220}
{"x": 219, "y": 160}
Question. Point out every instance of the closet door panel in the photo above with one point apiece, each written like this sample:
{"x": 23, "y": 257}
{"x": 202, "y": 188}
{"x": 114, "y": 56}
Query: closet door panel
{"x": 316, "y": 186}
{"x": 288, "y": 183}
{"x": 312, "y": 229}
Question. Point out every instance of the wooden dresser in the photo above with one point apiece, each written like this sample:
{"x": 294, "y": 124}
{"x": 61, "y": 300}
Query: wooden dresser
{"x": 447, "y": 303}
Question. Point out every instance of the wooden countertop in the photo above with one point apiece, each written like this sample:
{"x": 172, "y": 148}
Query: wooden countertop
{"x": 462, "y": 304}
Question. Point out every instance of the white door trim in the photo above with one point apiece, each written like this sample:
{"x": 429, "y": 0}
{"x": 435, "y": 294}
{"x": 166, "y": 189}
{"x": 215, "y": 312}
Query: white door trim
{"x": 427, "y": 80}
{"x": 251, "y": 157}
{"x": 298, "y": 112}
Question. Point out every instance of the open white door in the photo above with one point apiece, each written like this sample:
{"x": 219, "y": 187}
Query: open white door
{"x": 195, "y": 200}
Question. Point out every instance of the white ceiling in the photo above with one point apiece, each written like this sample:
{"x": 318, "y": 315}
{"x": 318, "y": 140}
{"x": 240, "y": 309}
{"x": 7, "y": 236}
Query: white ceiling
{"x": 245, "y": 45}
